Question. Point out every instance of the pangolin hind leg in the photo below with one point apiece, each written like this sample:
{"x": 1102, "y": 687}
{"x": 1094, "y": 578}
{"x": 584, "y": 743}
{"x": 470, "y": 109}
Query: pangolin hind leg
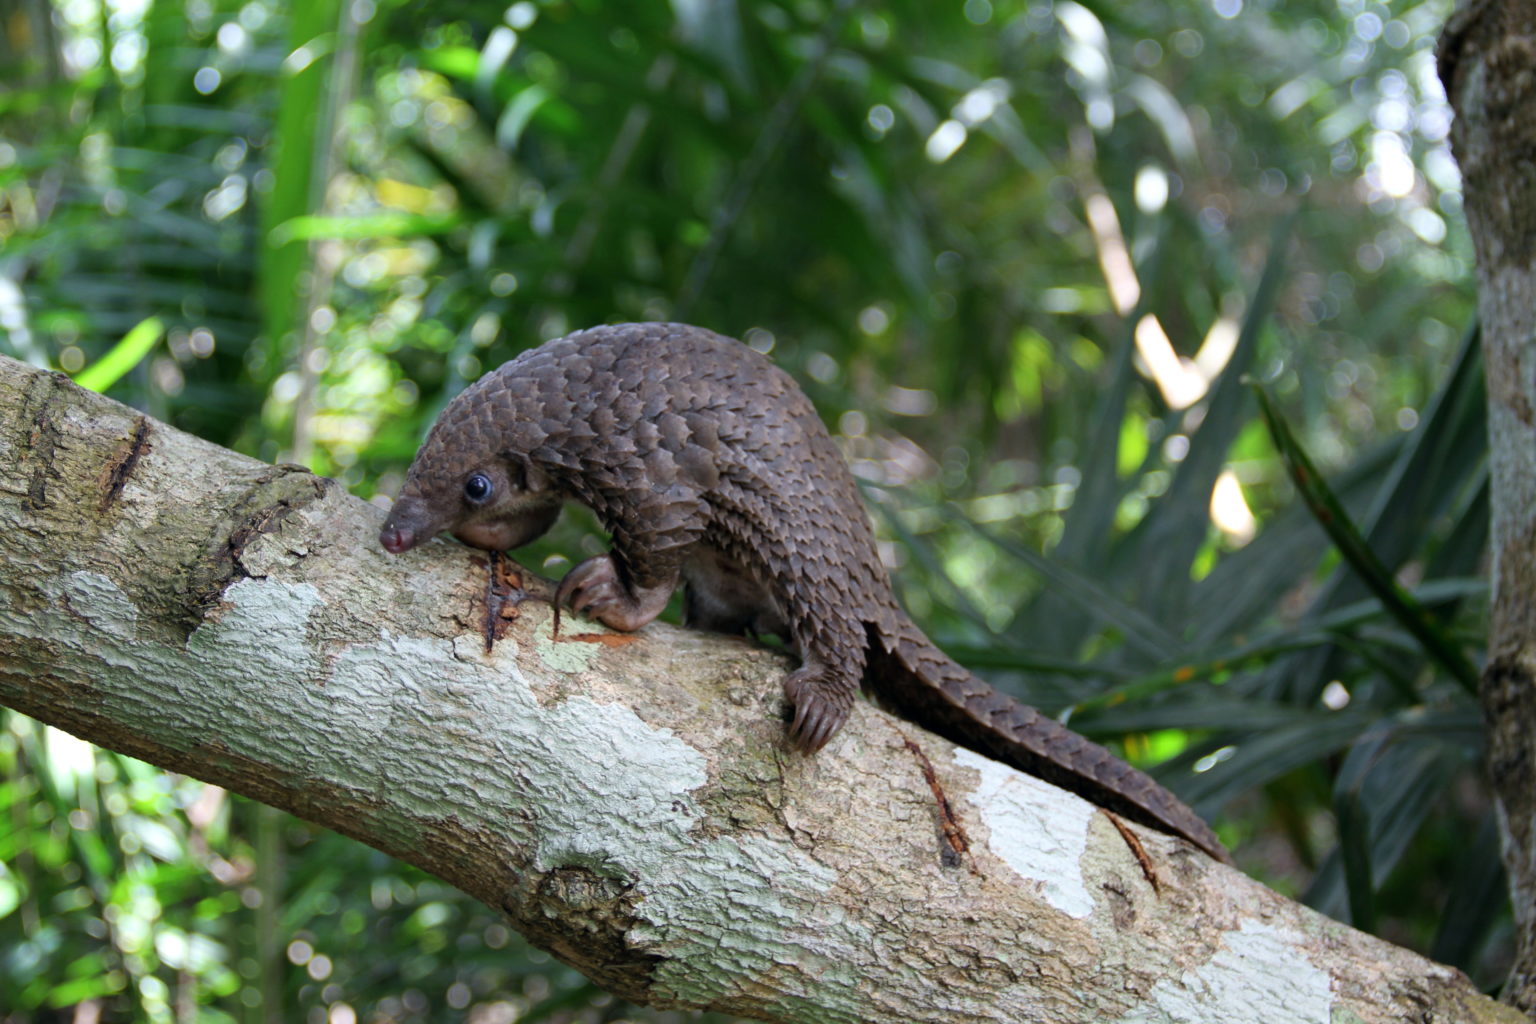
{"x": 823, "y": 688}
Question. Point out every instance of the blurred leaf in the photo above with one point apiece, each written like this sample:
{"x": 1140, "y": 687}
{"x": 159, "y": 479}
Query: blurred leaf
{"x": 122, "y": 357}
{"x": 378, "y": 225}
{"x": 1474, "y": 899}
{"x": 1441, "y": 460}
{"x": 1447, "y": 446}
{"x": 1250, "y": 583}
{"x": 299, "y": 148}
{"x": 1087, "y": 530}
{"x": 1090, "y": 596}
{"x": 1161, "y": 551}
{"x": 1342, "y": 531}
{"x": 571, "y": 998}
{"x": 1396, "y": 774}
{"x": 1263, "y": 756}
{"x": 1354, "y": 845}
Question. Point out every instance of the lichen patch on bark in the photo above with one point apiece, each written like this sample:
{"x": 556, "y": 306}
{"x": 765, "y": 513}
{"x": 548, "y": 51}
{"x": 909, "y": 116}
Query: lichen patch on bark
{"x": 1261, "y": 975}
{"x": 1039, "y": 831}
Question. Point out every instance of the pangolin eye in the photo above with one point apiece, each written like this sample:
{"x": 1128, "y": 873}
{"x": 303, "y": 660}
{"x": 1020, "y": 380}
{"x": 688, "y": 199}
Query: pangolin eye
{"x": 478, "y": 488}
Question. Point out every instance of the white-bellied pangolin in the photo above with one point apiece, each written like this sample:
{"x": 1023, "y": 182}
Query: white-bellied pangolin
{"x": 710, "y": 468}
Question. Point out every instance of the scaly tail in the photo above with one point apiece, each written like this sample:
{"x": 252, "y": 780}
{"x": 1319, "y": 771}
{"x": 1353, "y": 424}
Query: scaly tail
{"x": 919, "y": 682}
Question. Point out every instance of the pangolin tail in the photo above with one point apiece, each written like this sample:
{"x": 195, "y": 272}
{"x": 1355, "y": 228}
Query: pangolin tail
{"x": 917, "y": 681}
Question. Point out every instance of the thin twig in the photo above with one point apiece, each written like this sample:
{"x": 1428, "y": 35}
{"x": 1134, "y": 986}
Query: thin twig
{"x": 958, "y": 843}
{"x": 1137, "y": 850}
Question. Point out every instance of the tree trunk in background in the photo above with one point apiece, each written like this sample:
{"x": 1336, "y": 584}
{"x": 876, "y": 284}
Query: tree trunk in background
{"x": 1488, "y": 65}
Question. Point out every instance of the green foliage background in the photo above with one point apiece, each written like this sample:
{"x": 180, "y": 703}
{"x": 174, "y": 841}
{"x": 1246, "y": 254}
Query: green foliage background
{"x": 299, "y": 229}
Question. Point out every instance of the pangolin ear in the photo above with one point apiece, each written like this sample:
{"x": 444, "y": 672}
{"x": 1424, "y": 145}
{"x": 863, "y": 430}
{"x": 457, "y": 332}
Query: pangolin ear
{"x": 524, "y": 475}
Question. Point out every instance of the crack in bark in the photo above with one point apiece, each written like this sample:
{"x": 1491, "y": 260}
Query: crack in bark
{"x": 119, "y": 468}
{"x": 42, "y": 440}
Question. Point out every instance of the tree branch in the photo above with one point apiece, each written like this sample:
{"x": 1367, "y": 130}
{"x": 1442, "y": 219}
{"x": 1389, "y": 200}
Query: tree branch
{"x": 627, "y": 801}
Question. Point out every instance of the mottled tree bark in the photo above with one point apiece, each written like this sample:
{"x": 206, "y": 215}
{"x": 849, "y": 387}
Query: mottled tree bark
{"x": 1488, "y": 65}
{"x": 626, "y": 800}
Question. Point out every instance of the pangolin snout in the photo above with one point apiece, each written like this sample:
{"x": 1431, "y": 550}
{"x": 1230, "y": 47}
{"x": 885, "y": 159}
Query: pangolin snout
{"x": 408, "y": 525}
{"x": 397, "y": 538}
